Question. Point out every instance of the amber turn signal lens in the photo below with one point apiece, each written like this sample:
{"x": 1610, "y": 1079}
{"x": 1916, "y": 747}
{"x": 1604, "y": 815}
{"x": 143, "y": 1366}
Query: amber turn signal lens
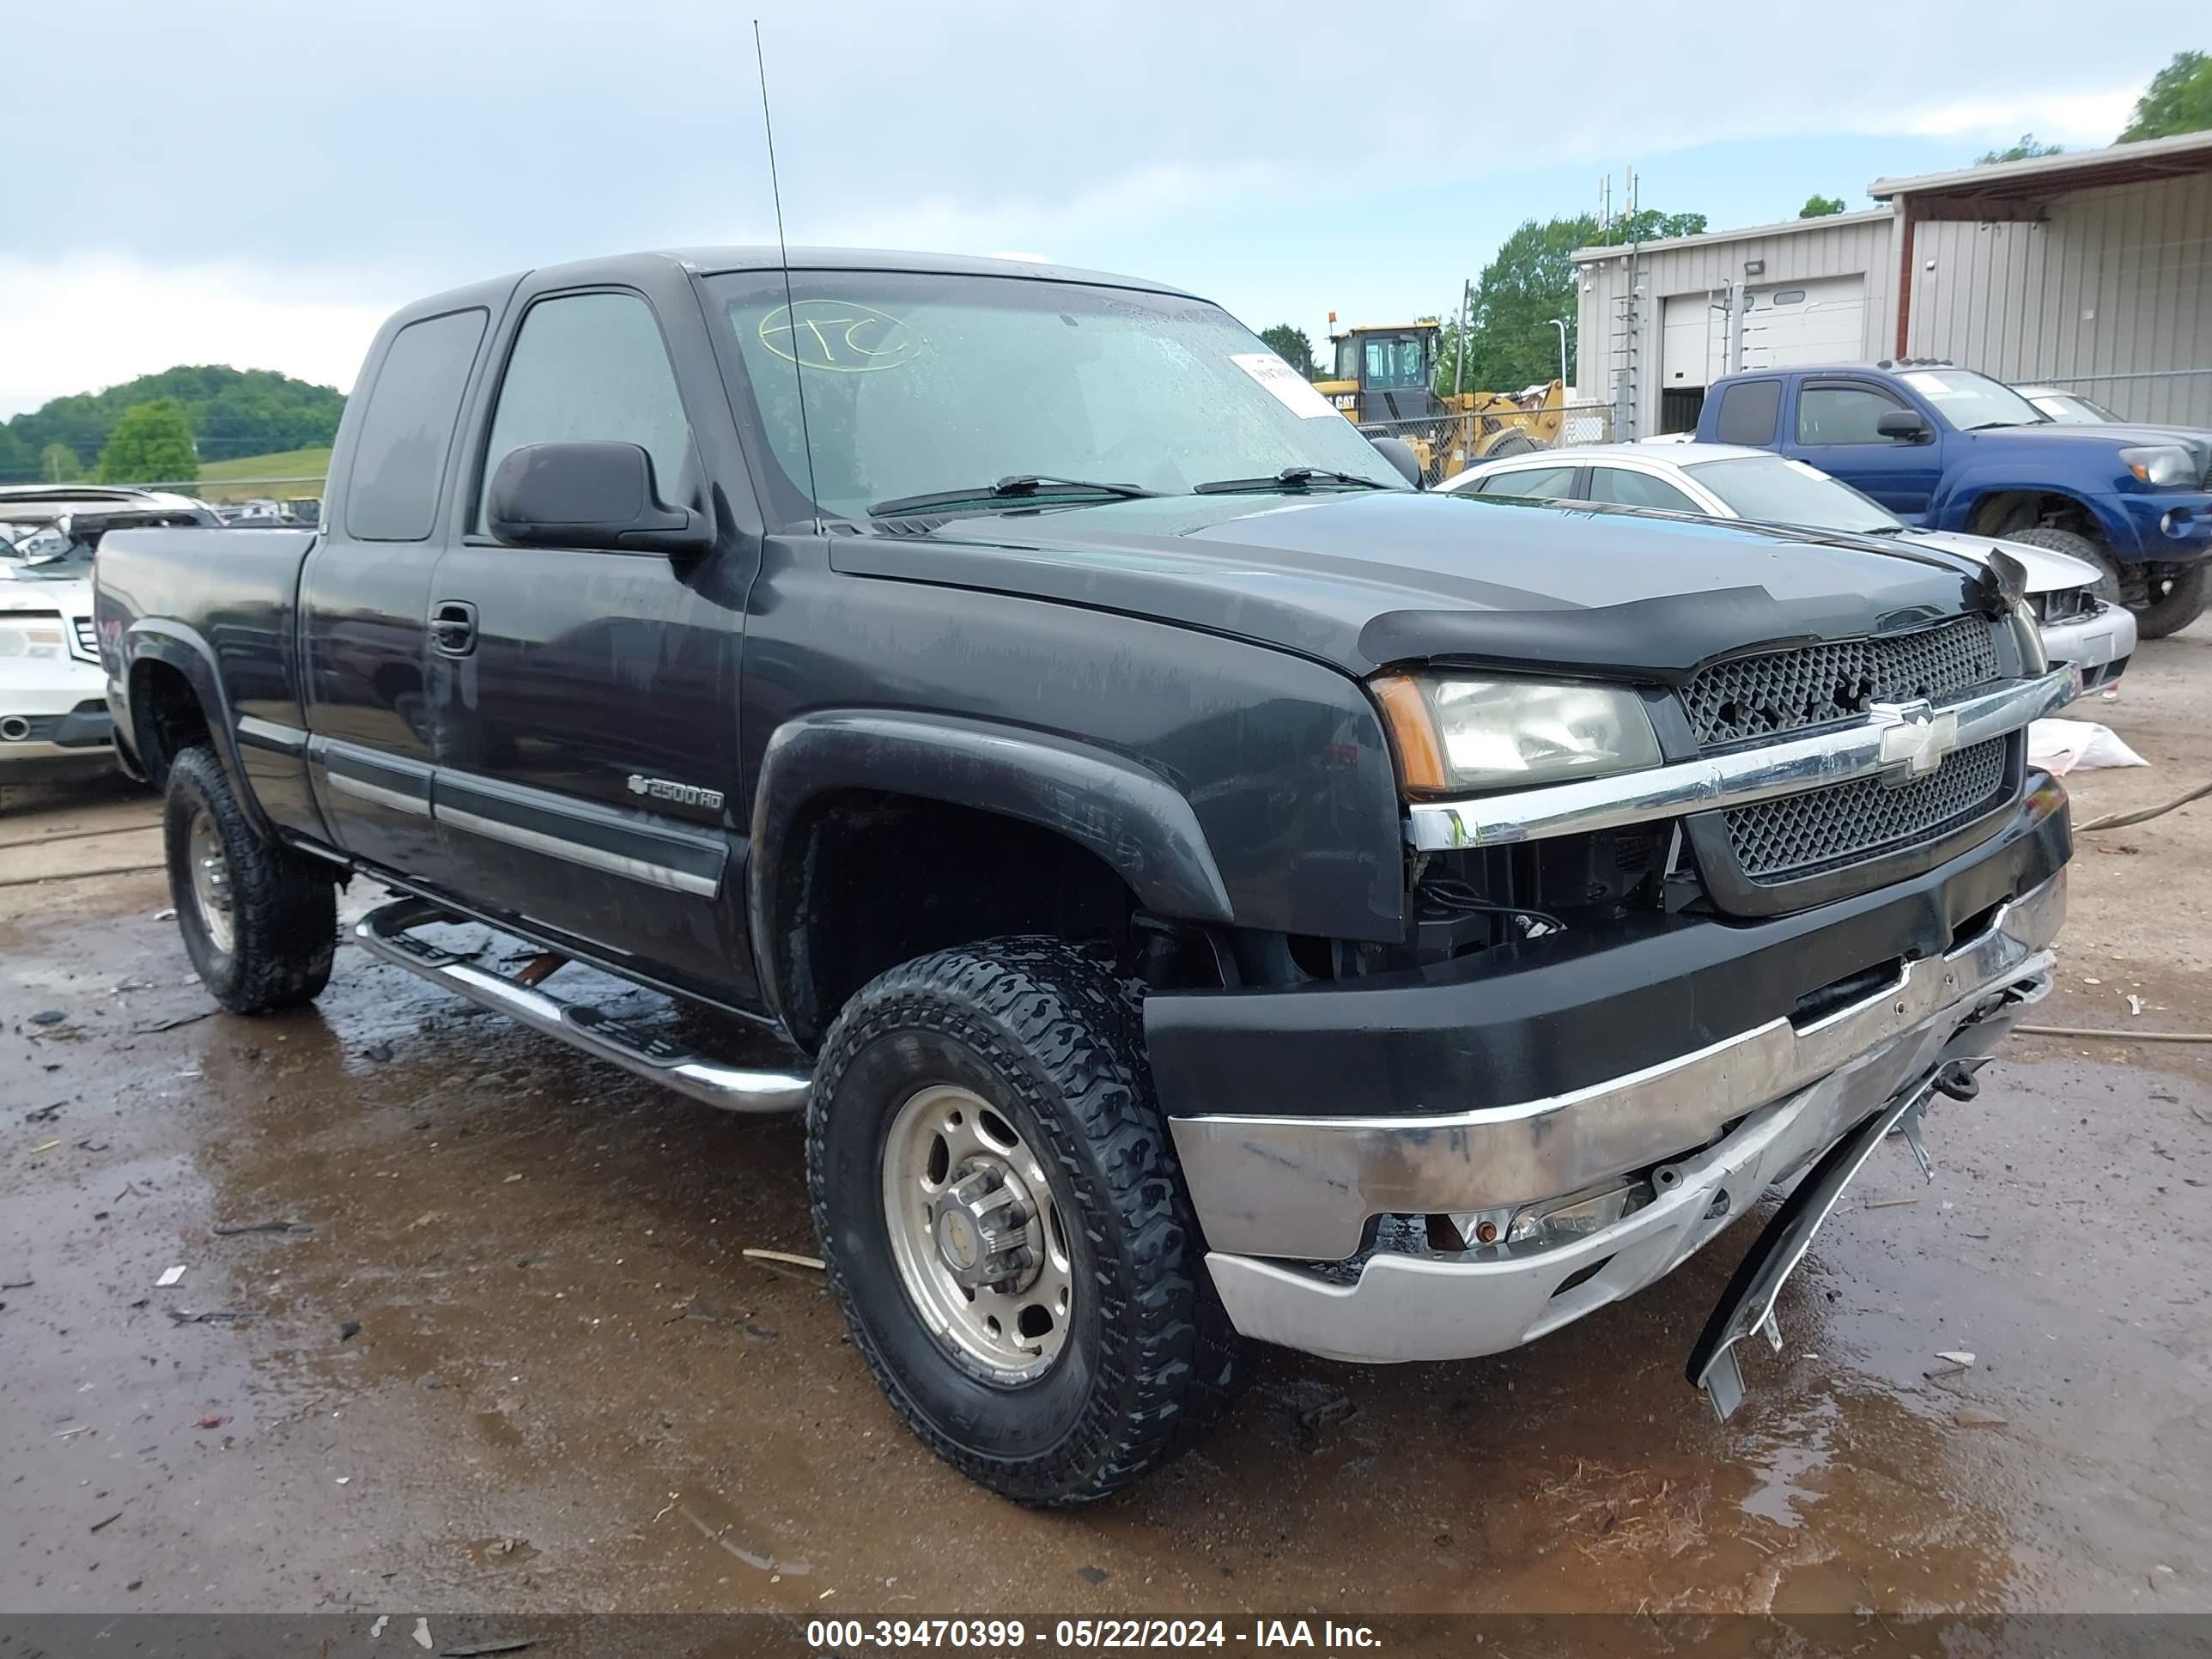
{"x": 1413, "y": 732}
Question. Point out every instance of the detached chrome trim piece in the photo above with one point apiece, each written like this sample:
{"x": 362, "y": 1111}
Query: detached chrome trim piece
{"x": 398, "y": 800}
{"x": 1306, "y": 1187}
{"x": 1736, "y": 779}
{"x": 384, "y": 933}
{"x": 575, "y": 852}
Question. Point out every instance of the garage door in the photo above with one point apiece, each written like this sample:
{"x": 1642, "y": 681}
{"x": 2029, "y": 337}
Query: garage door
{"x": 1821, "y": 320}
{"x": 1694, "y": 342}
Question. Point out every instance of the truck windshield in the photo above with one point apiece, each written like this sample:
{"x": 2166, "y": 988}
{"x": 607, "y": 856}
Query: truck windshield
{"x": 1774, "y": 490}
{"x": 1971, "y": 401}
{"x": 920, "y": 383}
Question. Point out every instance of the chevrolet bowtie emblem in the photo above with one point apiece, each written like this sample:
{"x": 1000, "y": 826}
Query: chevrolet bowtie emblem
{"x": 1914, "y": 739}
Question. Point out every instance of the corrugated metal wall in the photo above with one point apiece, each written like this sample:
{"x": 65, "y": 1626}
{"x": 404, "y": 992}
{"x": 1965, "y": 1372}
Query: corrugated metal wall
{"x": 2112, "y": 295}
{"x": 1848, "y": 244}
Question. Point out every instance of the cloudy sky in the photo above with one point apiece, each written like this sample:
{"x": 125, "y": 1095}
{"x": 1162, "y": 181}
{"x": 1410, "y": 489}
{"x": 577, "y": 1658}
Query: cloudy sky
{"x": 258, "y": 182}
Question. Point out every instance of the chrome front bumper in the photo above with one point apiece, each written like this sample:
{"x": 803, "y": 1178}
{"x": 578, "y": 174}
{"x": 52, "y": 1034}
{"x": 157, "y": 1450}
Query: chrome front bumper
{"x": 1305, "y": 1188}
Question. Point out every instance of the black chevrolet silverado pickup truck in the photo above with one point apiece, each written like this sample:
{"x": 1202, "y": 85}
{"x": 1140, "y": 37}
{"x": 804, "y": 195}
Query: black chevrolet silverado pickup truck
{"x": 1209, "y": 889}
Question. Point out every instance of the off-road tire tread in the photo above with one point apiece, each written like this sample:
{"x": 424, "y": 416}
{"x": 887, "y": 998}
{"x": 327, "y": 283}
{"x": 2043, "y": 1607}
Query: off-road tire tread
{"x": 1057, "y": 1024}
{"x": 284, "y": 904}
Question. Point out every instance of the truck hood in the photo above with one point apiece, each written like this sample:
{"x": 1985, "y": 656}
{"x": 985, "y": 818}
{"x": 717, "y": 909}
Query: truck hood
{"x": 2061, "y": 438}
{"x": 2047, "y": 572}
{"x": 70, "y": 594}
{"x": 1360, "y": 580}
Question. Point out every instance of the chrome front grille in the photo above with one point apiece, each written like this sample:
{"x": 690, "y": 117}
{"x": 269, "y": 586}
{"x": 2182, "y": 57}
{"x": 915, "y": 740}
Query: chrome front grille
{"x": 1774, "y": 693}
{"x": 1794, "y": 837}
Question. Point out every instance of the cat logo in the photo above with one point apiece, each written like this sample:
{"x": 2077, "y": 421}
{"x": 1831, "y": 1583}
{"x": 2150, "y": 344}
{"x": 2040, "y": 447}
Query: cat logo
{"x": 683, "y": 794}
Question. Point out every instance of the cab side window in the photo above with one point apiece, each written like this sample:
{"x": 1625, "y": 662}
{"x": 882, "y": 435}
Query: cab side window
{"x": 1623, "y": 486}
{"x": 1842, "y": 414}
{"x": 1748, "y": 412}
{"x": 1549, "y": 484}
{"x": 407, "y": 427}
{"x": 585, "y": 368}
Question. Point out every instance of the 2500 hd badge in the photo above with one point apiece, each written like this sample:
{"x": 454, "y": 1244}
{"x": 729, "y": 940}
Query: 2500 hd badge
{"x": 1209, "y": 890}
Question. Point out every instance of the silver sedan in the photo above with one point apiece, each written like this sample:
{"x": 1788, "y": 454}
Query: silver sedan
{"x": 1722, "y": 481}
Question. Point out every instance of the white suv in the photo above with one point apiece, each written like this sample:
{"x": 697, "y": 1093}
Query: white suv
{"x": 53, "y": 707}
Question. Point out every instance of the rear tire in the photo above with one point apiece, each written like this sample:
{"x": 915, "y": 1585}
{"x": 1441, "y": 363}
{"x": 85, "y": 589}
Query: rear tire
{"x": 259, "y": 921}
{"x": 1070, "y": 1399}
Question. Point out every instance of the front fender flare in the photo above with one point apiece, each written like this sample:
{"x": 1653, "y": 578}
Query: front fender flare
{"x": 1138, "y": 823}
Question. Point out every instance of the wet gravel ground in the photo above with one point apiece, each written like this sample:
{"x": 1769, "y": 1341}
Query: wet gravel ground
{"x": 493, "y": 1344}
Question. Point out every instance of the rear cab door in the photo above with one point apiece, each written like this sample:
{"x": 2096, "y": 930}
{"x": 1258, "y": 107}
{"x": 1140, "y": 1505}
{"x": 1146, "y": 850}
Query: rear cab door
{"x": 365, "y": 587}
{"x": 586, "y": 700}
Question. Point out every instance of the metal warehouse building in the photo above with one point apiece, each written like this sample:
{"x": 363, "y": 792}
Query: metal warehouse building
{"x": 2091, "y": 271}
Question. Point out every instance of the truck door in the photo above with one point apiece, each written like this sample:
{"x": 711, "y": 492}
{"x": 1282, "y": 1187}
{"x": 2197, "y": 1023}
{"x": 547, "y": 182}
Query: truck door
{"x": 364, "y": 596}
{"x": 1837, "y": 430}
{"x": 588, "y": 706}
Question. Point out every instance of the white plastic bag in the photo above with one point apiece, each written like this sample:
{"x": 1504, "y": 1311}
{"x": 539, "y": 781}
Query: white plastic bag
{"x": 2063, "y": 746}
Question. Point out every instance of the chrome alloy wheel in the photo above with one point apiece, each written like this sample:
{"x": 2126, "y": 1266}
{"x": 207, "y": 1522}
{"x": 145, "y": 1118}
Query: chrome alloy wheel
{"x": 211, "y": 894}
{"x": 980, "y": 1245}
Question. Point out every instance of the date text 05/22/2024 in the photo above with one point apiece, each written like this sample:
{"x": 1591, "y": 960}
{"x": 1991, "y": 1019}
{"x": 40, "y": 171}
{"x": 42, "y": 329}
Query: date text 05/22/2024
{"x": 1007, "y": 1635}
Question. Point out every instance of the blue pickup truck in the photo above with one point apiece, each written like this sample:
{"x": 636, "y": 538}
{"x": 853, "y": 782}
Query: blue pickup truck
{"x": 1949, "y": 449}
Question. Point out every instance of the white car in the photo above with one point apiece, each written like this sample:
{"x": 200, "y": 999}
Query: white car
{"x": 1723, "y": 480}
{"x": 54, "y": 722}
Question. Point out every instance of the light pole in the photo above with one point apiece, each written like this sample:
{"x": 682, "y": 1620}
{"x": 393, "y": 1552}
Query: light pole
{"x": 1560, "y": 323}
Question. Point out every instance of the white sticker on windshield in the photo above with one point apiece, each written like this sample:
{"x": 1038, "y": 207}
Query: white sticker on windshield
{"x": 1291, "y": 389}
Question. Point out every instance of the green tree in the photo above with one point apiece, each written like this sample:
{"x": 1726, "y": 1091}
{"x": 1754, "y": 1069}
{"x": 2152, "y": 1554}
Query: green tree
{"x": 1818, "y": 206}
{"x": 233, "y": 412}
{"x": 2027, "y": 150}
{"x": 58, "y": 464}
{"x": 17, "y": 464}
{"x": 1291, "y": 345}
{"x": 2178, "y": 99}
{"x": 1509, "y": 338}
{"x": 151, "y": 444}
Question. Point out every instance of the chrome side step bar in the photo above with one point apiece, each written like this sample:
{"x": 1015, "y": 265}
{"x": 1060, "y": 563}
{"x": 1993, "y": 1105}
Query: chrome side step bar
{"x": 385, "y": 933}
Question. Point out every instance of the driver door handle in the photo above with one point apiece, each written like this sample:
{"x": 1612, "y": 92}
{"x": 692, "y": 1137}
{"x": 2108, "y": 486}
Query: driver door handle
{"x": 454, "y": 628}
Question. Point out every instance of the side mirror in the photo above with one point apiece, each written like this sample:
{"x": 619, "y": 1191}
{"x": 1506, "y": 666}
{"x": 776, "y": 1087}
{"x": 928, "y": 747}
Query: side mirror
{"x": 1902, "y": 426}
{"x": 588, "y": 495}
{"x": 1400, "y": 454}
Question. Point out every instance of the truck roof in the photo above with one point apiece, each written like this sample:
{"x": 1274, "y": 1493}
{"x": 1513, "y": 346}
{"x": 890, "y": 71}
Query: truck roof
{"x": 710, "y": 261}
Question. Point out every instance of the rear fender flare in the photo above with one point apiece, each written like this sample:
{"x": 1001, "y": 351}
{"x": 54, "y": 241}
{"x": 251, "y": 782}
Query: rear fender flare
{"x": 1139, "y": 825}
{"x": 154, "y": 640}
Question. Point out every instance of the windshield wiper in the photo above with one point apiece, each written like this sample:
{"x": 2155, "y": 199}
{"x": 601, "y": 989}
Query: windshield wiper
{"x": 1015, "y": 486}
{"x": 1290, "y": 478}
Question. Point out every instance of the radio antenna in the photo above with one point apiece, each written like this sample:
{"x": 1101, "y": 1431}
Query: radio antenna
{"x": 783, "y": 258}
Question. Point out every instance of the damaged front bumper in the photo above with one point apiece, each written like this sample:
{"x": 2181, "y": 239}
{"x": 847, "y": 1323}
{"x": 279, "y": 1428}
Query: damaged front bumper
{"x": 1286, "y": 1202}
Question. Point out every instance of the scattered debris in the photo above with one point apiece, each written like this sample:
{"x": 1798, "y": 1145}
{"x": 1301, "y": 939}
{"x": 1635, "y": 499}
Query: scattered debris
{"x": 511, "y": 1179}
{"x": 378, "y": 1051}
{"x": 171, "y": 1024}
{"x": 348, "y": 1330}
{"x": 1891, "y": 1203}
{"x": 790, "y": 1260}
{"x": 45, "y": 1114}
{"x": 183, "y": 1317}
{"x": 169, "y": 1276}
{"x": 2135, "y": 1003}
{"x": 430, "y": 1380}
{"x": 422, "y": 1633}
{"x": 90, "y": 1145}
{"x": 1973, "y": 1417}
{"x": 47, "y": 1146}
{"x": 502, "y": 1546}
{"x": 428, "y": 1218}
{"x": 503, "y": 1645}
{"x": 211, "y": 1422}
{"x": 166, "y": 914}
{"x": 1959, "y": 1356}
{"x": 346, "y": 1480}
{"x": 110, "y": 1521}
{"x": 66, "y": 1434}
{"x": 18, "y": 1284}
{"x": 48, "y": 1017}
{"x": 377, "y": 1629}
{"x": 240, "y": 1227}
{"x": 1091, "y": 1575}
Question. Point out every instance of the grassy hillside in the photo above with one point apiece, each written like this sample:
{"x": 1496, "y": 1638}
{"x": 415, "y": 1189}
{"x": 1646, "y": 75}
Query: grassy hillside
{"x": 249, "y": 475}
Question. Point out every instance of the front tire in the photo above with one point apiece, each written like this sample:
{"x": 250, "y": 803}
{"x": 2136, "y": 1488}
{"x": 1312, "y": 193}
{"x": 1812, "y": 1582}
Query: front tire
{"x": 2178, "y": 592}
{"x": 259, "y": 921}
{"x": 1005, "y": 1225}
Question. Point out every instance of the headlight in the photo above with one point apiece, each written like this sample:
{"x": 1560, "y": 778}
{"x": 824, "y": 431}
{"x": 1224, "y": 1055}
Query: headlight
{"x": 2161, "y": 464}
{"x": 1462, "y": 733}
{"x": 36, "y": 640}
